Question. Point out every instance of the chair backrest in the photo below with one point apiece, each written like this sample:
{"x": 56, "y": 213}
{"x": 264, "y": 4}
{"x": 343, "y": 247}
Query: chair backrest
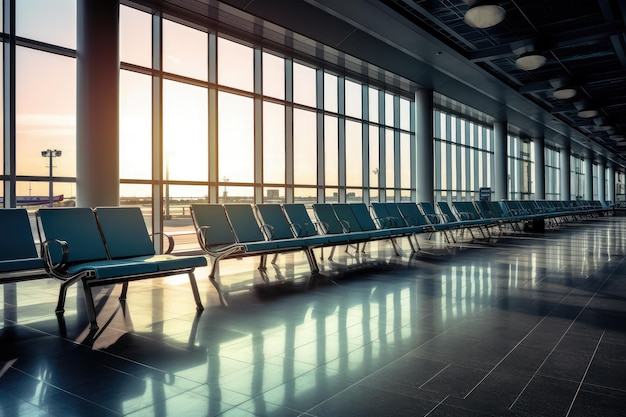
{"x": 273, "y": 215}
{"x": 300, "y": 220}
{"x": 18, "y": 242}
{"x": 447, "y": 212}
{"x": 345, "y": 214}
{"x": 78, "y": 227}
{"x": 428, "y": 208}
{"x": 244, "y": 223}
{"x": 124, "y": 231}
{"x": 383, "y": 217}
{"x": 412, "y": 214}
{"x": 328, "y": 219}
{"x": 396, "y": 215}
{"x": 467, "y": 208}
{"x": 214, "y": 217}
{"x": 484, "y": 209}
{"x": 363, "y": 216}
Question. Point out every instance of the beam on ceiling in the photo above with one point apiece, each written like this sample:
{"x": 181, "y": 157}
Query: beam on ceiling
{"x": 556, "y": 40}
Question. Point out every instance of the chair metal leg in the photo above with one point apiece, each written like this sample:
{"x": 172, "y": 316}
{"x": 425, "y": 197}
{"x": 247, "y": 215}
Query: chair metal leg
{"x": 196, "y": 293}
{"x": 91, "y": 307}
{"x": 124, "y": 291}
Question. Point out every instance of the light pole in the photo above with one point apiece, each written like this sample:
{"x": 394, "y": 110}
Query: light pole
{"x": 51, "y": 153}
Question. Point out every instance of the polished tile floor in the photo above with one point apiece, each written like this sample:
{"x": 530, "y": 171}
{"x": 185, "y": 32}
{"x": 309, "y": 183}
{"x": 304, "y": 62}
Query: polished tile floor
{"x": 524, "y": 326}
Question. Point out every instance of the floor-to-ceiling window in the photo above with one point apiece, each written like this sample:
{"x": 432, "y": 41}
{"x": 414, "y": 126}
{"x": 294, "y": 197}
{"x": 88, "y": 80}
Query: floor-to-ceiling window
{"x": 205, "y": 116}
{"x": 39, "y": 146}
{"x": 552, "y": 163}
{"x": 577, "y": 177}
{"x": 521, "y": 171}
{"x": 463, "y": 151}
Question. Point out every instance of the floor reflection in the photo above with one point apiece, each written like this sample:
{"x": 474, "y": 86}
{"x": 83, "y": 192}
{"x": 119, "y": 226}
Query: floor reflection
{"x": 481, "y": 328}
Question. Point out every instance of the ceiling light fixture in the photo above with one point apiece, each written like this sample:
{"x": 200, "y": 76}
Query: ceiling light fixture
{"x": 483, "y": 14}
{"x": 564, "y": 93}
{"x": 529, "y": 61}
{"x": 587, "y": 113}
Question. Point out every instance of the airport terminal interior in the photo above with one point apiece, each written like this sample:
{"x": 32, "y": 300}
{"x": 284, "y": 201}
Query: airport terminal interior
{"x": 379, "y": 207}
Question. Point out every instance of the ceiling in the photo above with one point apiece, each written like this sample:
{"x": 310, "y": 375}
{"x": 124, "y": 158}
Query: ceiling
{"x": 583, "y": 41}
{"x": 426, "y": 43}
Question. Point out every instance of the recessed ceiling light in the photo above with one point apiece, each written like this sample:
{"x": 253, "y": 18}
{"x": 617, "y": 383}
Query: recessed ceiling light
{"x": 529, "y": 61}
{"x": 587, "y": 113}
{"x": 564, "y": 93}
{"x": 484, "y": 14}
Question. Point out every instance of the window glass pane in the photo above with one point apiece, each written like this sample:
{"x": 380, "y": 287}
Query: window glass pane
{"x": 353, "y": 99}
{"x": 331, "y": 151}
{"x": 185, "y": 50}
{"x": 273, "y": 143}
{"x": 374, "y": 157}
{"x": 235, "y": 66}
{"x": 1, "y": 109}
{"x": 304, "y": 85}
{"x": 389, "y": 110}
{"x": 354, "y": 195}
{"x": 135, "y": 126}
{"x": 354, "y": 151}
{"x": 47, "y": 21}
{"x": 235, "y": 138}
{"x": 45, "y": 112}
{"x": 273, "y": 76}
{"x": 136, "y": 195}
{"x": 135, "y": 37}
{"x": 405, "y": 160}
{"x": 274, "y": 195}
{"x": 304, "y": 147}
{"x": 235, "y": 194}
{"x": 185, "y": 132}
{"x": 330, "y": 93}
{"x": 389, "y": 159}
{"x": 405, "y": 114}
{"x": 373, "y": 105}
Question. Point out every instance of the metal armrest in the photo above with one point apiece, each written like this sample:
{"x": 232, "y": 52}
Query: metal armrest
{"x": 268, "y": 230}
{"x": 170, "y": 241}
{"x": 55, "y": 269}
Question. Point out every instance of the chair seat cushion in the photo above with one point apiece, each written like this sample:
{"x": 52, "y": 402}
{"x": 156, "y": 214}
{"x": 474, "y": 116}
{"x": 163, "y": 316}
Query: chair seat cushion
{"x": 115, "y": 268}
{"x": 172, "y": 262}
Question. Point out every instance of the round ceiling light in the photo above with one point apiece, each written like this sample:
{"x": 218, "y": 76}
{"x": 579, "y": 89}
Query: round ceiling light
{"x": 587, "y": 113}
{"x": 529, "y": 61}
{"x": 483, "y": 16}
{"x": 564, "y": 93}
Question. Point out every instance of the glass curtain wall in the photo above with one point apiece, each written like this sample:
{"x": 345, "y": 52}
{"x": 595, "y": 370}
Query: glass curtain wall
{"x": 577, "y": 177}
{"x": 463, "y": 157}
{"x": 208, "y": 117}
{"x": 39, "y": 154}
{"x": 552, "y": 161}
{"x": 521, "y": 168}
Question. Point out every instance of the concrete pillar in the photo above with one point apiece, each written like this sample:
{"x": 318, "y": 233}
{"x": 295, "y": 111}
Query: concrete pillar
{"x": 601, "y": 181}
{"x": 540, "y": 169}
{"x": 500, "y": 159}
{"x": 424, "y": 145}
{"x": 611, "y": 185}
{"x": 564, "y": 155}
{"x": 97, "y": 120}
{"x": 588, "y": 178}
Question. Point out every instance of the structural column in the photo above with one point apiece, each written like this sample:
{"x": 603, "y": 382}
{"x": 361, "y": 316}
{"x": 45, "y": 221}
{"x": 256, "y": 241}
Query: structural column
{"x": 424, "y": 149}
{"x": 601, "y": 181}
{"x": 564, "y": 156}
{"x": 97, "y": 120}
{"x": 540, "y": 169}
{"x": 500, "y": 170}
{"x": 588, "y": 178}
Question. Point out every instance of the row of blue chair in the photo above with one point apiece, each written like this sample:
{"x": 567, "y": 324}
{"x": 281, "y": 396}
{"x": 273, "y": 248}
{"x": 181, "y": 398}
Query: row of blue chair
{"x": 102, "y": 246}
